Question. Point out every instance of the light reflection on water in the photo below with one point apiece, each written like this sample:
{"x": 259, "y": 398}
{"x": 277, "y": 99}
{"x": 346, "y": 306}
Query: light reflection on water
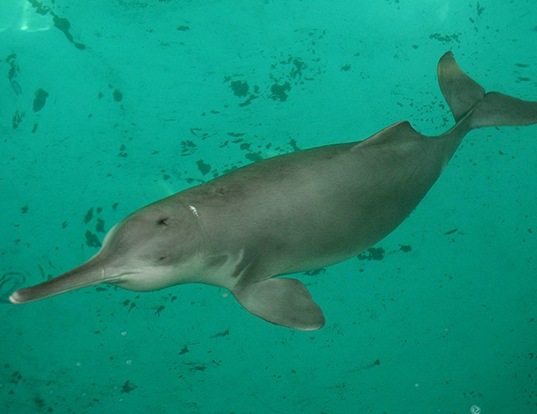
{"x": 21, "y": 15}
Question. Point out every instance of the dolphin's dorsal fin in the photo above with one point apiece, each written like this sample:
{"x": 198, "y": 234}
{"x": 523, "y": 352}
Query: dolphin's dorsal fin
{"x": 400, "y": 130}
{"x": 281, "y": 301}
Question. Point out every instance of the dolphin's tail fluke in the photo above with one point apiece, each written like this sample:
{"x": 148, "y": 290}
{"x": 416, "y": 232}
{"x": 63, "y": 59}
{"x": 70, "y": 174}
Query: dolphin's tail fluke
{"x": 464, "y": 95}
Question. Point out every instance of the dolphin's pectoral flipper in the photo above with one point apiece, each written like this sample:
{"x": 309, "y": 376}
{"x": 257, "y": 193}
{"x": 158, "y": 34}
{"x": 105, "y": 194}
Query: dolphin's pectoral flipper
{"x": 281, "y": 301}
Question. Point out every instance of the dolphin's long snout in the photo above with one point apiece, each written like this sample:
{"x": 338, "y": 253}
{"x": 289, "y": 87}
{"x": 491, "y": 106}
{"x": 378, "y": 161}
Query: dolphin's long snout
{"x": 89, "y": 274}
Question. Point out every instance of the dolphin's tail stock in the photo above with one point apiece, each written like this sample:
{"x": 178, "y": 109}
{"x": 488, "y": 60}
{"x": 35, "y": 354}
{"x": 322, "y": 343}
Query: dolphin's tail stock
{"x": 466, "y": 97}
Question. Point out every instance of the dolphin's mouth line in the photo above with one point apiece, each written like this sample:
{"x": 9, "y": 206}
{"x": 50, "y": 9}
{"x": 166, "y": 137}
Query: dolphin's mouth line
{"x": 118, "y": 279}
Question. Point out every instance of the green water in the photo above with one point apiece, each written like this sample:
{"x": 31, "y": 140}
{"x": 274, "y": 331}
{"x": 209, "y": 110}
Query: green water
{"x": 106, "y": 106}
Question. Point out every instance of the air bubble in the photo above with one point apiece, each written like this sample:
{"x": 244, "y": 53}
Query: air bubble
{"x": 474, "y": 409}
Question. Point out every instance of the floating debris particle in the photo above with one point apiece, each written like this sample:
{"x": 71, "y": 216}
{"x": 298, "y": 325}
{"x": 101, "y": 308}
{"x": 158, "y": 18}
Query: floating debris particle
{"x": 279, "y": 92}
{"x": 240, "y": 88}
{"x": 373, "y": 253}
{"x": 203, "y": 167}
{"x": 127, "y": 387}
{"x": 92, "y": 240}
{"x": 99, "y": 227}
{"x": 220, "y": 334}
{"x": 17, "y": 119}
{"x": 118, "y": 96}
{"x": 445, "y": 37}
{"x": 64, "y": 25}
{"x": 315, "y": 272}
{"x": 405, "y": 248}
{"x": 88, "y": 216}
{"x": 40, "y": 99}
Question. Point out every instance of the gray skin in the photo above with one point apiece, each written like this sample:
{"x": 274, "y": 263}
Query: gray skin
{"x": 288, "y": 214}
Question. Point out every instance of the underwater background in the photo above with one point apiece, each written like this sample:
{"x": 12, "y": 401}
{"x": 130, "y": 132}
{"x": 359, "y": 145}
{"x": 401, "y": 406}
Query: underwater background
{"x": 106, "y": 106}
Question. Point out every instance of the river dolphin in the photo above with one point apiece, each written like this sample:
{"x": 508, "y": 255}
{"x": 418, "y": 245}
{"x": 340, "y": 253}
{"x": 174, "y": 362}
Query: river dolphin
{"x": 288, "y": 214}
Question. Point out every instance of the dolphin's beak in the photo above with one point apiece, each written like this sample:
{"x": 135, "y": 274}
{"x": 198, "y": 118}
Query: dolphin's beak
{"x": 89, "y": 274}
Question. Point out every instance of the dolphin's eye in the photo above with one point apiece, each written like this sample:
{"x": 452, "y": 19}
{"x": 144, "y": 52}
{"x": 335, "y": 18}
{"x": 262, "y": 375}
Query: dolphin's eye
{"x": 163, "y": 221}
